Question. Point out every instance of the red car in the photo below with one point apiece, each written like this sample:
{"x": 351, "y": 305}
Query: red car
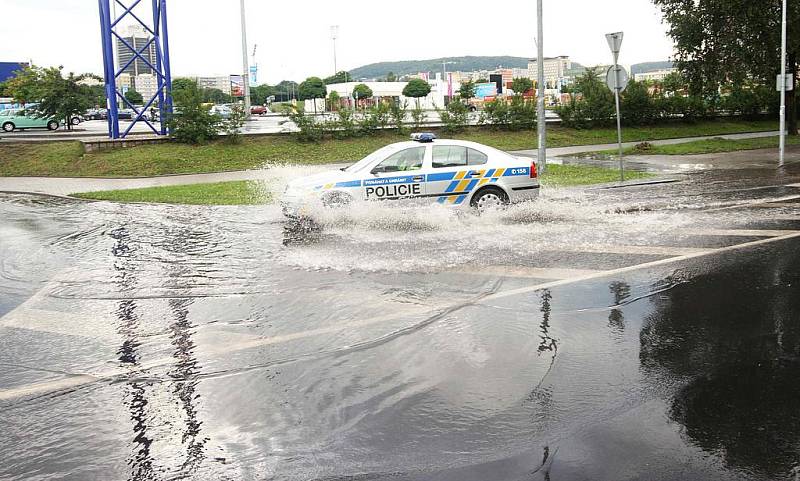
{"x": 258, "y": 110}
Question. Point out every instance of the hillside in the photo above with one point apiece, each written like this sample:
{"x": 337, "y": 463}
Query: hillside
{"x": 649, "y": 67}
{"x": 464, "y": 64}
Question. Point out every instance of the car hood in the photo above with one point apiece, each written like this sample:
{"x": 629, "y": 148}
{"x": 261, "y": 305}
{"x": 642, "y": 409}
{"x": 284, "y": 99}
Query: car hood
{"x": 322, "y": 178}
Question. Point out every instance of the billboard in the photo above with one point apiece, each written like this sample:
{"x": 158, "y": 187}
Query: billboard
{"x": 253, "y": 74}
{"x": 8, "y": 69}
{"x": 488, "y": 89}
{"x": 237, "y": 86}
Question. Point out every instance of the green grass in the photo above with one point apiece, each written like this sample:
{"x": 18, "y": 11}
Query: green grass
{"x": 252, "y": 192}
{"x": 707, "y": 146}
{"x": 239, "y": 192}
{"x": 67, "y": 158}
{"x": 570, "y": 175}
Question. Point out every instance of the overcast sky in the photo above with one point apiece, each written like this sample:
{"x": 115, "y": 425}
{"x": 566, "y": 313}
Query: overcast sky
{"x": 293, "y": 37}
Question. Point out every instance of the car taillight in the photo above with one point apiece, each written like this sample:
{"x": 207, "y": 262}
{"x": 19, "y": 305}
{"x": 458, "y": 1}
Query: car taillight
{"x": 534, "y": 174}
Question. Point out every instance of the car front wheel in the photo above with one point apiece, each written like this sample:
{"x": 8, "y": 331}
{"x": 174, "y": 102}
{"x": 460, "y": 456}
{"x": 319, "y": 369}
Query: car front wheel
{"x": 75, "y": 120}
{"x": 52, "y": 125}
{"x": 8, "y": 127}
{"x": 489, "y": 199}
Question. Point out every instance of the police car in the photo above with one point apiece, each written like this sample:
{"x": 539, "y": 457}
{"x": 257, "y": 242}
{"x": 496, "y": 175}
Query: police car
{"x": 425, "y": 169}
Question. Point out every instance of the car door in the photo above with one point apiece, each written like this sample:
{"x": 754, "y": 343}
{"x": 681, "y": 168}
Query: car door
{"x": 398, "y": 176}
{"x": 456, "y": 171}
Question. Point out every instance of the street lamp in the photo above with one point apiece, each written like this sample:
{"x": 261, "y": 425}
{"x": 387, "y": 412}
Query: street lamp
{"x": 245, "y": 66}
{"x": 541, "y": 155}
{"x": 334, "y": 35}
{"x": 782, "y": 84}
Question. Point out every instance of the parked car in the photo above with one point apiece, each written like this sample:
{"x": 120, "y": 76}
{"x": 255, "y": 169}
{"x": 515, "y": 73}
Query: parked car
{"x": 258, "y": 110}
{"x": 96, "y": 114}
{"x": 18, "y": 119}
{"x": 221, "y": 110}
{"x": 76, "y": 119}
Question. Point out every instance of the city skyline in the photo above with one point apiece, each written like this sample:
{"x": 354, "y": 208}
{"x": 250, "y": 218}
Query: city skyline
{"x": 204, "y": 35}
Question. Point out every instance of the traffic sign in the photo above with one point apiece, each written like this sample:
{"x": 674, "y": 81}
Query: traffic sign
{"x": 788, "y": 81}
{"x": 614, "y": 42}
{"x": 621, "y": 80}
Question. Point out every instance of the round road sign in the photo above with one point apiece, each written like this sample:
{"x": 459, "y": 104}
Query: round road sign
{"x": 621, "y": 80}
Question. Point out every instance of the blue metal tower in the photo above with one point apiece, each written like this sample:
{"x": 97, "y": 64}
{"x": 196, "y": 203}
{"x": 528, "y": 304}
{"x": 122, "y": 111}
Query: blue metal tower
{"x": 161, "y": 70}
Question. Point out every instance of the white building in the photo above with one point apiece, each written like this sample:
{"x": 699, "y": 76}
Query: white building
{"x": 654, "y": 75}
{"x": 221, "y": 82}
{"x": 394, "y": 90}
{"x": 555, "y": 68}
{"x": 147, "y": 85}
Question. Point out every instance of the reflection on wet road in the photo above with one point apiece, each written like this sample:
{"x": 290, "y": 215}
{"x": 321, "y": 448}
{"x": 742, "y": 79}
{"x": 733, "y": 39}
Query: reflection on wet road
{"x": 620, "y": 334}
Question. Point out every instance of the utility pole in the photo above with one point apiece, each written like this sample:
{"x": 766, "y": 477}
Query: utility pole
{"x": 245, "y": 66}
{"x": 541, "y": 156}
{"x": 334, "y": 34}
{"x": 617, "y": 84}
{"x": 783, "y": 86}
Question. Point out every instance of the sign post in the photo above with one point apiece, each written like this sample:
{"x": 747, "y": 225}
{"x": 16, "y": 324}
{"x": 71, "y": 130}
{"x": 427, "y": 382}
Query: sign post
{"x": 783, "y": 87}
{"x": 616, "y": 73}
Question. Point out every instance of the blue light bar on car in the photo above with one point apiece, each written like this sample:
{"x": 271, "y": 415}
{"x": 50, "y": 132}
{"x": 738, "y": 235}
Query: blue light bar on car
{"x": 423, "y": 136}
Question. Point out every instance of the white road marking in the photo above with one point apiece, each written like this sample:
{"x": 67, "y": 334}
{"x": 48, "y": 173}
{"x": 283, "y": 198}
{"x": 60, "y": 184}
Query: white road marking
{"x": 792, "y": 185}
{"x": 627, "y": 249}
{"x": 774, "y": 205}
{"x": 528, "y": 272}
{"x": 740, "y": 232}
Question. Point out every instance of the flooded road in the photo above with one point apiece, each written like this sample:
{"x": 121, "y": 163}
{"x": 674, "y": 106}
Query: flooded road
{"x": 642, "y": 333}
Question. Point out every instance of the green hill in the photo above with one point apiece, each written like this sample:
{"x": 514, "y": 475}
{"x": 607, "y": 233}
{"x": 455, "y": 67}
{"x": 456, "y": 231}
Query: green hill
{"x": 464, "y": 64}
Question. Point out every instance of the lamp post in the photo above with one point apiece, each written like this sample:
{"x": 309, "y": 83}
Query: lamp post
{"x": 334, "y": 34}
{"x": 783, "y": 85}
{"x": 541, "y": 155}
{"x": 245, "y": 66}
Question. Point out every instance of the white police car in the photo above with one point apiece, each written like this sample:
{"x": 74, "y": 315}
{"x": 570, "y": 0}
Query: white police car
{"x": 426, "y": 169}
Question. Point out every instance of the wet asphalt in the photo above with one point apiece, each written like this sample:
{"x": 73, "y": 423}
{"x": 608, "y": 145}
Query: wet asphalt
{"x": 643, "y": 333}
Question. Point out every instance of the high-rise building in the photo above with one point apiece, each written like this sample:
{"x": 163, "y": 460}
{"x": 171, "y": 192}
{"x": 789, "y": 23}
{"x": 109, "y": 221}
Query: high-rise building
{"x": 137, "y": 37}
{"x": 555, "y": 68}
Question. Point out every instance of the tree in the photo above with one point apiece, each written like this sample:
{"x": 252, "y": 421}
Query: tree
{"x": 333, "y": 100}
{"x": 312, "y": 88}
{"x": 217, "y": 96}
{"x": 260, "y": 94}
{"x": 191, "y": 122}
{"x": 732, "y": 41}
{"x": 520, "y": 85}
{"x": 391, "y": 77}
{"x": 362, "y": 91}
{"x": 55, "y": 96}
{"x": 467, "y": 90}
{"x": 416, "y": 88}
{"x": 134, "y": 97}
{"x": 339, "y": 77}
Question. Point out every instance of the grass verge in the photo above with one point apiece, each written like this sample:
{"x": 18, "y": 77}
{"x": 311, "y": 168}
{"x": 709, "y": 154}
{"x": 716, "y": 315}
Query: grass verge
{"x": 238, "y": 192}
{"x": 253, "y": 192}
{"x": 66, "y": 159}
{"x": 706, "y": 146}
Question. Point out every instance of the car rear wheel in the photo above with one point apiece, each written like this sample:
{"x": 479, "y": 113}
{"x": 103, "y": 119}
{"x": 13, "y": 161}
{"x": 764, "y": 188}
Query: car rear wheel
{"x": 488, "y": 199}
{"x": 52, "y": 125}
{"x": 8, "y": 127}
{"x": 75, "y": 120}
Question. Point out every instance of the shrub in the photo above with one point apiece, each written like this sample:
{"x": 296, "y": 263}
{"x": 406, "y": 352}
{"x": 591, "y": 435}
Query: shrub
{"x": 418, "y": 116}
{"x": 454, "y": 116}
{"x": 192, "y": 122}
{"x": 309, "y": 129}
{"x": 233, "y": 124}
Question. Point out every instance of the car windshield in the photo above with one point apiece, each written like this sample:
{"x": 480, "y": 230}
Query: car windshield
{"x": 379, "y": 154}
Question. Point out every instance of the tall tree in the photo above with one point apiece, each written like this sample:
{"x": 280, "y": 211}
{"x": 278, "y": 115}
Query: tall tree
{"x": 339, "y": 77}
{"x": 467, "y": 90}
{"x": 134, "y": 97}
{"x": 362, "y": 91}
{"x": 391, "y": 77}
{"x": 416, "y": 88}
{"x": 312, "y": 88}
{"x": 732, "y": 41}
{"x": 53, "y": 95}
{"x": 520, "y": 85}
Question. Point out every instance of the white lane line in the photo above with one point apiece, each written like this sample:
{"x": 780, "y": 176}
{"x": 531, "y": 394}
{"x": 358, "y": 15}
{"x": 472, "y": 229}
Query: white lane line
{"x": 646, "y": 265}
{"x": 753, "y": 203}
{"x": 774, "y": 205}
{"x": 629, "y": 249}
{"x": 740, "y": 232}
{"x": 527, "y": 272}
{"x": 792, "y": 185}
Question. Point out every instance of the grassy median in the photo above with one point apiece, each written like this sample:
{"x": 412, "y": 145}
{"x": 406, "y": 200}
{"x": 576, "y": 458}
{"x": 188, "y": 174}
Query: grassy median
{"x": 66, "y": 159}
{"x": 255, "y": 192}
{"x": 705, "y": 146}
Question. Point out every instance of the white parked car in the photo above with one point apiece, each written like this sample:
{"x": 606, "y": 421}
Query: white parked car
{"x": 451, "y": 172}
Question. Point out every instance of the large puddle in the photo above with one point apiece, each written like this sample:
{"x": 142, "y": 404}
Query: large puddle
{"x": 177, "y": 342}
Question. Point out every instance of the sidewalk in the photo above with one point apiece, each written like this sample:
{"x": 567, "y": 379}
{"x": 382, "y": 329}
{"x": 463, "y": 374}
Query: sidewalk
{"x": 66, "y": 186}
